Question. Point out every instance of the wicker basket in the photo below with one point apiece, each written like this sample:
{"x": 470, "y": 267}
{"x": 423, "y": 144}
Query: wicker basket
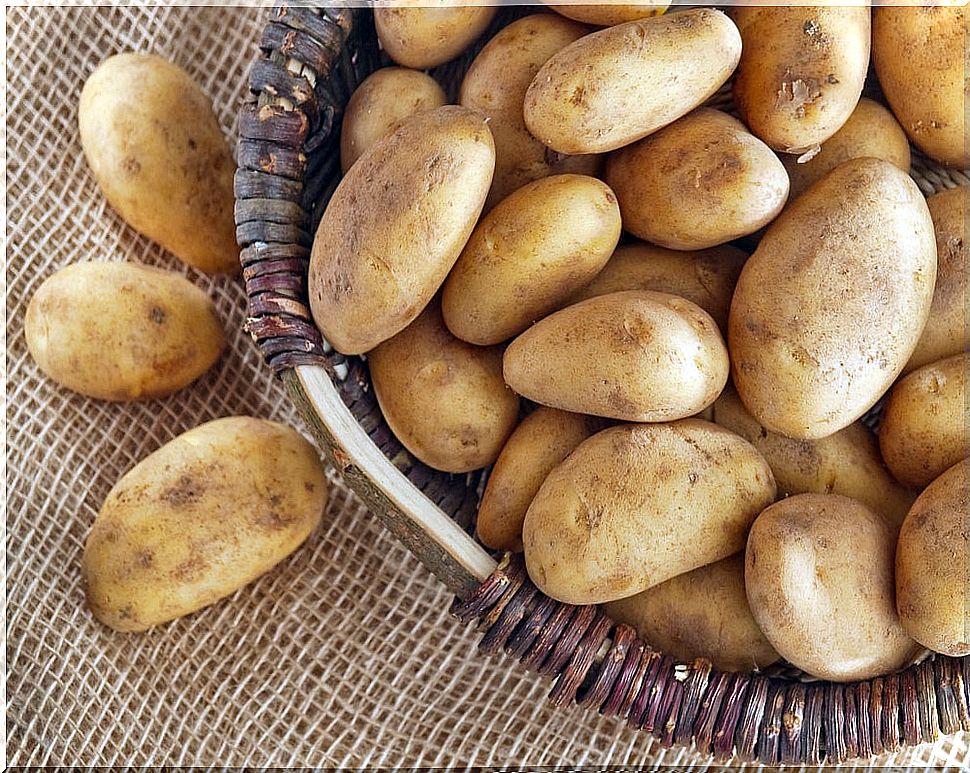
{"x": 288, "y": 157}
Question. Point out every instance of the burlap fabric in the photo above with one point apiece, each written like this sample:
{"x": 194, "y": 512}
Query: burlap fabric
{"x": 345, "y": 654}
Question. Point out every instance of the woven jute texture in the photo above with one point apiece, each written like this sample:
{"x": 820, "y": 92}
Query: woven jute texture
{"x": 345, "y": 654}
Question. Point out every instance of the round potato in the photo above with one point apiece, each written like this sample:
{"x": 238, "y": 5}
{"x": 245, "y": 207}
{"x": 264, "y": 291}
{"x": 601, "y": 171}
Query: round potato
{"x": 396, "y": 225}
{"x": 420, "y": 38}
{"x": 635, "y": 505}
{"x": 830, "y": 306}
{"x": 819, "y": 578}
{"x": 199, "y": 518}
{"x": 443, "y": 399}
{"x": 118, "y": 331}
{"x": 702, "y": 181}
{"x": 634, "y": 356}
{"x": 622, "y": 83}
{"x": 160, "y": 158}
{"x": 609, "y": 15}
{"x": 528, "y": 255}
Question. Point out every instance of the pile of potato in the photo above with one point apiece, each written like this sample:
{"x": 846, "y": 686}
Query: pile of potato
{"x": 476, "y": 254}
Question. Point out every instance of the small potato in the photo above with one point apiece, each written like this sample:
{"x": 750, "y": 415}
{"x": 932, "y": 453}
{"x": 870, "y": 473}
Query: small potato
{"x": 924, "y": 422}
{"x": 819, "y": 578}
{"x": 444, "y": 399}
{"x": 699, "y": 182}
{"x": 932, "y": 594}
{"x": 700, "y": 614}
{"x": 380, "y": 103}
{"x": 420, "y": 38}
{"x": 160, "y": 158}
{"x": 119, "y": 331}
{"x": 635, "y": 505}
{"x": 609, "y": 15}
{"x": 633, "y": 356}
{"x": 202, "y": 516}
{"x": 528, "y": 255}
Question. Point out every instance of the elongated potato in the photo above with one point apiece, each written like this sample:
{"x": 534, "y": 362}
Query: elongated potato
{"x": 609, "y": 15}
{"x": 119, "y": 331}
{"x": 635, "y": 505}
{"x": 423, "y": 37}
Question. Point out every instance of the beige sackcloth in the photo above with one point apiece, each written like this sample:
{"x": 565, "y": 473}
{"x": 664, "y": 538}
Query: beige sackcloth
{"x": 345, "y": 654}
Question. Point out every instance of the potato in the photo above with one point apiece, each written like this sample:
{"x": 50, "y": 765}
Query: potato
{"x": 819, "y": 577}
{"x": 426, "y": 37}
{"x": 635, "y": 505}
{"x": 160, "y": 158}
{"x": 528, "y": 255}
{"x": 846, "y": 463}
{"x": 495, "y": 85}
{"x": 931, "y": 565}
{"x": 634, "y": 356}
{"x": 119, "y": 331}
{"x": 829, "y": 307}
{"x": 924, "y": 422}
{"x": 543, "y": 439}
{"x": 609, "y": 15}
{"x": 921, "y": 57}
{"x": 699, "y": 182}
{"x": 396, "y": 225}
{"x": 444, "y": 399}
{"x": 199, "y": 518}
{"x": 380, "y": 103}
{"x": 700, "y": 614}
{"x": 801, "y": 72}
{"x": 622, "y": 83}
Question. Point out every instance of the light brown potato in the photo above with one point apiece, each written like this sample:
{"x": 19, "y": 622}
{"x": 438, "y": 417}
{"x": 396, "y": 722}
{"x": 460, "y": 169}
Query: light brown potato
{"x": 819, "y": 578}
{"x": 633, "y": 356}
{"x": 700, "y": 614}
{"x": 202, "y": 516}
{"x": 119, "y": 331}
{"x": 921, "y": 57}
{"x": 543, "y": 439}
{"x": 924, "y": 422}
{"x": 635, "y": 505}
{"x": 528, "y": 255}
{"x": 444, "y": 399}
{"x": 396, "y": 225}
{"x": 160, "y": 158}
{"x": 801, "y": 72}
{"x": 931, "y": 565}
{"x": 610, "y": 15}
{"x": 830, "y": 306}
{"x": 699, "y": 182}
{"x": 380, "y": 103}
{"x": 620, "y": 84}
{"x": 423, "y": 37}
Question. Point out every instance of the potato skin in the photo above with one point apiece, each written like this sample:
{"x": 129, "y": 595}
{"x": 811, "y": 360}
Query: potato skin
{"x": 633, "y": 356}
{"x": 622, "y": 83}
{"x": 638, "y": 504}
{"x": 160, "y": 158}
{"x": 819, "y": 578}
{"x": 931, "y": 565}
{"x": 199, "y": 518}
{"x": 444, "y": 399}
{"x": 699, "y": 182}
{"x": 396, "y": 225}
{"x": 610, "y": 15}
{"x": 119, "y": 331}
{"x": 528, "y": 255}
{"x": 420, "y": 38}
{"x": 830, "y": 306}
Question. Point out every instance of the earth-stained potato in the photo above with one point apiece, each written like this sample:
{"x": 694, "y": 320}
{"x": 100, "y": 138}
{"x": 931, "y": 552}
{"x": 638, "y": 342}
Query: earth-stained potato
{"x": 700, "y": 614}
{"x": 528, "y": 255}
{"x": 699, "y": 182}
{"x": 199, "y": 518}
{"x": 119, "y": 331}
{"x": 819, "y": 578}
{"x": 444, "y": 399}
{"x": 609, "y": 15}
{"x": 396, "y": 225}
{"x": 158, "y": 154}
{"x": 634, "y": 356}
{"x": 423, "y": 37}
{"x": 931, "y": 565}
{"x": 620, "y": 84}
{"x": 830, "y": 306}
{"x": 638, "y": 504}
